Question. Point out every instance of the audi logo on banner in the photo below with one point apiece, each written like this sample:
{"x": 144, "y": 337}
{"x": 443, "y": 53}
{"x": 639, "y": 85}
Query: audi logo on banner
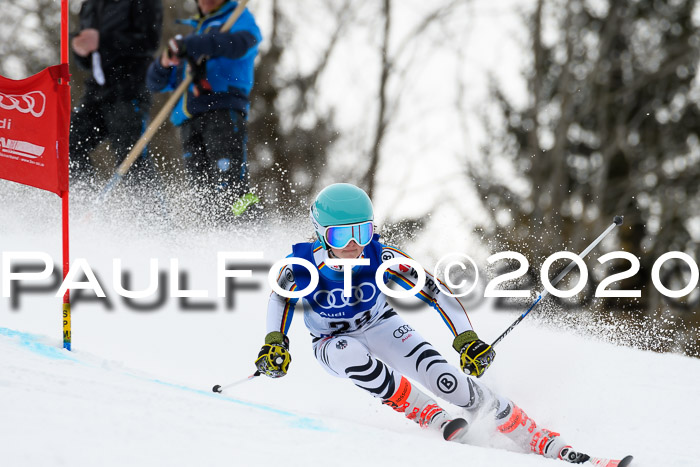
{"x": 330, "y": 299}
{"x": 33, "y": 102}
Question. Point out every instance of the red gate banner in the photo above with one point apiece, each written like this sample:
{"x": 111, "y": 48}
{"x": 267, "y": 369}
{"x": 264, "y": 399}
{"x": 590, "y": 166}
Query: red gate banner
{"x": 34, "y": 129}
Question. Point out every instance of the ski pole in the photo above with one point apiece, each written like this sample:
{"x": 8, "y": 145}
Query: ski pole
{"x": 218, "y": 388}
{"x": 616, "y": 221}
{"x": 162, "y": 115}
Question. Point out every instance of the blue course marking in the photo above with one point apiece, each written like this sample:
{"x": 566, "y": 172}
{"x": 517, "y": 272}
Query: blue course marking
{"x": 294, "y": 420}
{"x": 32, "y": 342}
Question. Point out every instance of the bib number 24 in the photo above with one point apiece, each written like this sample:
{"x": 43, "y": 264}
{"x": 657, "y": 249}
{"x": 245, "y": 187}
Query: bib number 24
{"x": 340, "y": 327}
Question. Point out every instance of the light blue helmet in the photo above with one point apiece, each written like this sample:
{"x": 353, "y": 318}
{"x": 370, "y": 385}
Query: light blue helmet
{"x": 340, "y": 204}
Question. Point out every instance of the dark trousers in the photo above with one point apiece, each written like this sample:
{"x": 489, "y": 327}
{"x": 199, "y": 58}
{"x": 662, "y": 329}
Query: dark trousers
{"x": 121, "y": 122}
{"x": 215, "y": 155}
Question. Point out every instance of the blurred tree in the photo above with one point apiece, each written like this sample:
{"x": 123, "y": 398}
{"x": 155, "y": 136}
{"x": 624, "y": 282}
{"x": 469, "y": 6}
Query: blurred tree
{"x": 38, "y": 23}
{"x": 398, "y": 58}
{"x": 611, "y": 126}
{"x": 289, "y": 134}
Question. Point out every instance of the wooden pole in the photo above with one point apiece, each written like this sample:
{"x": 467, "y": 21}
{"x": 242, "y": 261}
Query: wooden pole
{"x": 162, "y": 114}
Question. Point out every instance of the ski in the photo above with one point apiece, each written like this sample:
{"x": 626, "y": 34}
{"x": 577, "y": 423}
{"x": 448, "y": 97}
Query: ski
{"x": 453, "y": 429}
{"x": 600, "y": 462}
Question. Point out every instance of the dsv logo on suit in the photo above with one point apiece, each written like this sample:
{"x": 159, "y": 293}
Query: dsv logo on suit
{"x": 329, "y": 299}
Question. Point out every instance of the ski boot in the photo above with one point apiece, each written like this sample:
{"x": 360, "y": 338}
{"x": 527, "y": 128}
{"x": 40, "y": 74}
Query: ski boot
{"x": 569, "y": 455}
{"x": 524, "y": 431}
{"x": 420, "y": 408}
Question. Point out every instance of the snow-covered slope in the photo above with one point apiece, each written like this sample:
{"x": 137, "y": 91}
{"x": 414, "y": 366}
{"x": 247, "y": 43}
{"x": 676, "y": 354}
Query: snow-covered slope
{"x": 136, "y": 390}
{"x": 78, "y": 409}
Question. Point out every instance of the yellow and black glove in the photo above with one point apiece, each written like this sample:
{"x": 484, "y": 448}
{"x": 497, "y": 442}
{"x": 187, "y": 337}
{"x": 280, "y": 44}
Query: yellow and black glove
{"x": 274, "y": 358}
{"x": 475, "y": 355}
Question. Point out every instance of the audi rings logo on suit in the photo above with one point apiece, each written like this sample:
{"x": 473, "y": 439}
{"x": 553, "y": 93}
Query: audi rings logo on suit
{"x": 330, "y": 299}
{"x": 403, "y": 330}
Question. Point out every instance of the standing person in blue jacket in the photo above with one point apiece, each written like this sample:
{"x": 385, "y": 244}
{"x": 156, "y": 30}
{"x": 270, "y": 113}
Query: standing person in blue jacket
{"x": 361, "y": 338}
{"x": 212, "y": 113}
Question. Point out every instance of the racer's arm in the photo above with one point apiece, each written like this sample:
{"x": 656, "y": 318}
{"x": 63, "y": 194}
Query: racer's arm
{"x": 274, "y": 357}
{"x": 450, "y": 308}
{"x": 280, "y": 310}
{"x": 475, "y": 355}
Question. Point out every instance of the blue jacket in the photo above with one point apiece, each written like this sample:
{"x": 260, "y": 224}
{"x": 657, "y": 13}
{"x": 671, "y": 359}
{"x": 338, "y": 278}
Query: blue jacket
{"x": 229, "y": 67}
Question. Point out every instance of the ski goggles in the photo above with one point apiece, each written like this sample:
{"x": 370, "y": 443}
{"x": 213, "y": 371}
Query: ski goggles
{"x": 338, "y": 236}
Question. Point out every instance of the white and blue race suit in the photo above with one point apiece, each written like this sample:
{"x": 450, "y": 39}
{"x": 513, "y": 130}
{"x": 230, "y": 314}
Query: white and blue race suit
{"x": 362, "y": 338}
{"x": 331, "y": 313}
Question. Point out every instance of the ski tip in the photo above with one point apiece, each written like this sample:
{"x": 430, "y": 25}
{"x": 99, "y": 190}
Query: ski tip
{"x": 625, "y": 461}
{"x": 601, "y": 462}
{"x": 453, "y": 429}
{"x": 216, "y": 388}
{"x": 617, "y": 220}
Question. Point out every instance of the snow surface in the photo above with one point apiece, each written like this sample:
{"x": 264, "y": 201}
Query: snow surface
{"x": 136, "y": 390}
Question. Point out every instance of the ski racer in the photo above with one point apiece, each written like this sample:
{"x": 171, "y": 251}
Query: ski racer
{"x": 361, "y": 338}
